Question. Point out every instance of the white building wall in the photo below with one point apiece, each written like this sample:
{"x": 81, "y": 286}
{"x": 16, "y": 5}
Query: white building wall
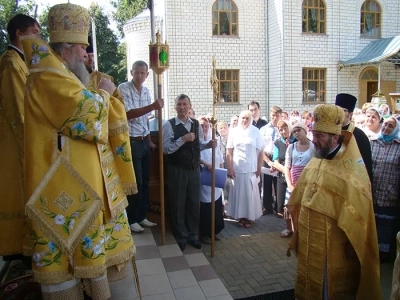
{"x": 270, "y": 51}
{"x": 192, "y": 45}
{"x": 275, "y": 54}
{"x": 341, "y": 42}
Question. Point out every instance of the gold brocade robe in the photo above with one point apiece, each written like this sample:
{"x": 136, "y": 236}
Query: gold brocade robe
{"x": 77, "y": 145}
{"x": 331, "y": 209}
{"x": 395, "y": 294}
{"x": 95, "y": 78}
{"x": 13, "y": 75}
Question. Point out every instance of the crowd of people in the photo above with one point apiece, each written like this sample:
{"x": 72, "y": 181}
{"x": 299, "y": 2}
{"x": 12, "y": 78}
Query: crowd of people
{"x": 288, "y": 144}
{"x": 78, "y": 151}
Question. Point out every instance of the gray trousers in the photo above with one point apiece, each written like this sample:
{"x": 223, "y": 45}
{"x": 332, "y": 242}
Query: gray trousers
{"x": 183, "y": 192}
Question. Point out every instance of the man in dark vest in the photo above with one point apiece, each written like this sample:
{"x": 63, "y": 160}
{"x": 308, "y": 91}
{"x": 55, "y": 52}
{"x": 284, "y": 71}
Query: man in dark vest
{"x": 348, "y": 103}
{"x": 182, "y": 145}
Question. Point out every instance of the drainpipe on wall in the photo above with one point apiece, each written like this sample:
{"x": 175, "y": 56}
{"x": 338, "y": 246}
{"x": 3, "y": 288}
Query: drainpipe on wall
{"x": 150, "y": 6}
{"x": 267, "y": 55}
{"x": 283, "y": 55}
{"x": 166, "y": 74}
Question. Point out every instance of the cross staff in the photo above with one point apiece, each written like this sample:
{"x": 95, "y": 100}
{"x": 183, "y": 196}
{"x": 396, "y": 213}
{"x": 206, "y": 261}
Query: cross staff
{"x": 215, "y": 88}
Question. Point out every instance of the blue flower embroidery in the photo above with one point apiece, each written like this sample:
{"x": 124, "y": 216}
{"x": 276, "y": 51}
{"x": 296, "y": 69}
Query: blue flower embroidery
{"x": 38, "y": 53}
{"x": 59, "y": 219}
{"x": 36, "y": 257}
{"x": 87, "y": 94}
{"x": 120, "y": 150}
{"x": 42, "y": 48}
{"x": 52, "y": 247}
{"x": 88, "y": 241}
{"x": 79, "y": 127}
{"x": 35, "y": 59}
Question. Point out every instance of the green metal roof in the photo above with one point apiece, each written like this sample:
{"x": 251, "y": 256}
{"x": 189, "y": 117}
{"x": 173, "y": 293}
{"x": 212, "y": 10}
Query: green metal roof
{"x": 375, "y": 52}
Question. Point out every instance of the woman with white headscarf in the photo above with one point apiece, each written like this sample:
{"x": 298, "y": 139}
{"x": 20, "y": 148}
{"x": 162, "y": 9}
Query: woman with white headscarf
{"x": 205, "y": 191}
{"x": 234, "y": 121}
{"x": 373, "y": 122}
{"x": 385, "y": 185}
{"x": 244, "y": 157}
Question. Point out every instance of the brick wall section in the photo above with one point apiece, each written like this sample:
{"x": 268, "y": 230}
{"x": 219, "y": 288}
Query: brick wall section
{"x": 267, "y": 74}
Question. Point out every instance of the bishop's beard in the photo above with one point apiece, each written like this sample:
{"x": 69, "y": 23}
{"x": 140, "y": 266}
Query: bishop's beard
{"x": 79, "y": 69}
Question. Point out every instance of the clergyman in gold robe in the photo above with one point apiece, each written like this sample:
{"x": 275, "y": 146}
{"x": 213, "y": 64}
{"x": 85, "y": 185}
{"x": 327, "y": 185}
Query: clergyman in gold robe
{"x": 335, "y": 235}
{"x": 13, "y": 76}
{"x": 78, "y": 167}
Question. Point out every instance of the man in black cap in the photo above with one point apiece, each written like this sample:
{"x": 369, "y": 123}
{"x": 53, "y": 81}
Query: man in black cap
{"x": 89, "y": 62}
{"x": 348, "y": 103}
{"x": 95, "y": 76}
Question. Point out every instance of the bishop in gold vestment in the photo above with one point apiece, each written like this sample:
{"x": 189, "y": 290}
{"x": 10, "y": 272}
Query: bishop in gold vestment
{"x": 335, "y": 235}
{"x": 78, "y": 167}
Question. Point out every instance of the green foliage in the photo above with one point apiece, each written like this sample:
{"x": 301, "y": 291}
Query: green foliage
{"x": 110, "y": 55}
{"x": 126, "y": 10}
{"x": 44, "y": 24}
{"x": 9, "y": 8}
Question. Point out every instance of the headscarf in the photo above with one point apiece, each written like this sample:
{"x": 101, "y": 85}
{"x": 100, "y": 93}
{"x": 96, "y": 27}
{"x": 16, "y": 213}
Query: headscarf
{"x": 250, "y": 134}
{"x": 287, "y": 141}
{"x": 300, "y": 125}
{"x": 208, "y": 137}
{"x": 231, "y": 123}
{"x": 206, "y": 154}
{"x": 391, "y": 136}
{"x": 377, "y": 111}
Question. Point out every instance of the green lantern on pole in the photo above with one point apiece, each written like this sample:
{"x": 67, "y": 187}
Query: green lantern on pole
{"x": 159, "y": 55}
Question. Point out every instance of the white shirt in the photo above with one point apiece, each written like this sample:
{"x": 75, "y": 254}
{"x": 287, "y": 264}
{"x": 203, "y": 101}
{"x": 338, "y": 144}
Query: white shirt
{"x": 205, "y": 191}
{"x": 133, "y": 99}
{"x": 246, "y": 146}
{"x": 170, "y": 145}
{"x": 270, "y": 134}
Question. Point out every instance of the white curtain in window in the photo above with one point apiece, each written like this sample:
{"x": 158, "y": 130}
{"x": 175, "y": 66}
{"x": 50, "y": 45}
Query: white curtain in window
{"x": 369, "y": 18}
{"x": 313, "y": 15}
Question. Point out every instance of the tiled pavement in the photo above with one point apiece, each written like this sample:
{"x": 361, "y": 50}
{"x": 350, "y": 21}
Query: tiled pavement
{"x": 254, "y": 262}
{"x": 247, "y": 262}
{"x": 167, "y": 273}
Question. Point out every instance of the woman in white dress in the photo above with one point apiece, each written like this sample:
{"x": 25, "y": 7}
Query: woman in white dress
{"x": 244, "y": 157}
{"x": 205, "y": 191}
{"x": 373, "y": 122}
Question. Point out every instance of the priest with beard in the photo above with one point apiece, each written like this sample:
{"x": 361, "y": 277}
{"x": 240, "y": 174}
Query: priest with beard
{"x": 78, "y": 167}
{"x": 335, "y": 237}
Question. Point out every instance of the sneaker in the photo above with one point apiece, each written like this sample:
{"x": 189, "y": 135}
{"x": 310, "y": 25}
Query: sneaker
{"x": 147, "y": 223}
{"x": 135, "y": 227}
{"x": 205, "y": 240}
